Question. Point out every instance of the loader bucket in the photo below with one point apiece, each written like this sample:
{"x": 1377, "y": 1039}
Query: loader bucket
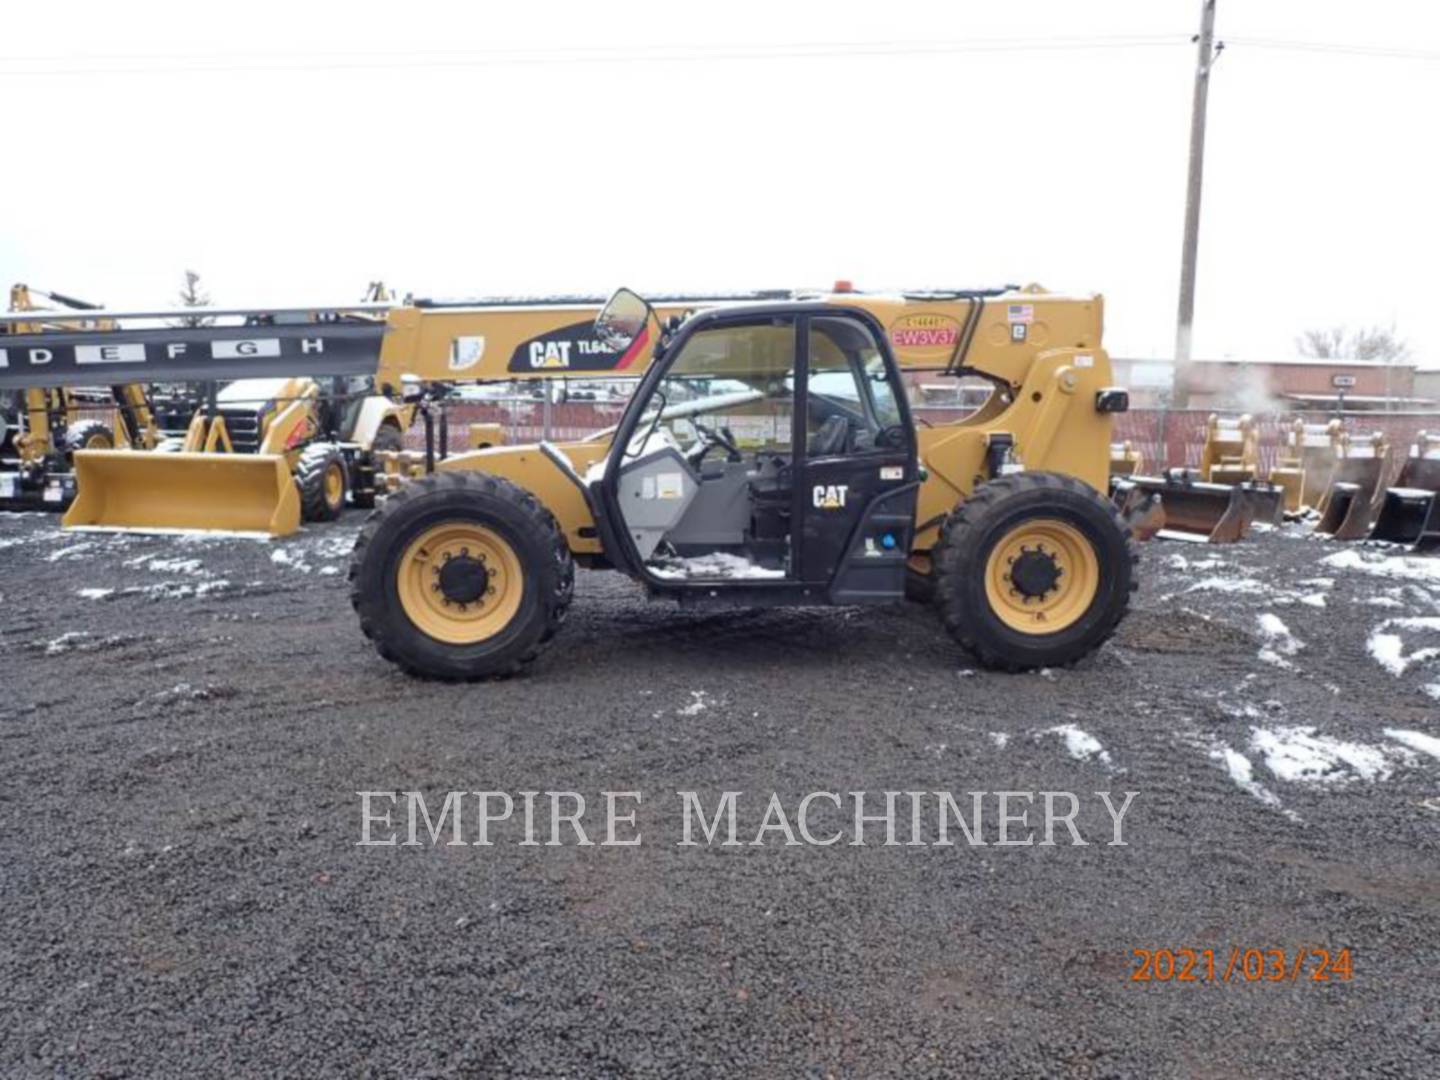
{"x": 1347, "y": 508}
{"x": 1218, "y": 512}
{"x": 150, "y": 492}
{"x": 1409, "y": 516}
{"x": 1410, "y": 513}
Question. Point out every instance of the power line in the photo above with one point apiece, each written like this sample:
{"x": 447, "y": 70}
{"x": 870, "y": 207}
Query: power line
{"x": 189, "y": 63}
{"x": 1337, "y": 48}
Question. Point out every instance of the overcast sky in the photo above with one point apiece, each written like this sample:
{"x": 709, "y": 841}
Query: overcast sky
{"x": 292, "y": 152}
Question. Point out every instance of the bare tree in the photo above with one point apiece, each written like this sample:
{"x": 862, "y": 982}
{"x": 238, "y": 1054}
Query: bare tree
{"x": 1376, "y": 344}
{"x": 193, "y": 296}
{"x": 1326, "y": 344}
{"x": 1340, "y": 343}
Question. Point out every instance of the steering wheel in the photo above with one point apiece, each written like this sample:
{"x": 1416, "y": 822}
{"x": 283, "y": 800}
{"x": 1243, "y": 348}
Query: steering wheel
{"x": 712, "y": 438}
{"x": 892, "y": 437}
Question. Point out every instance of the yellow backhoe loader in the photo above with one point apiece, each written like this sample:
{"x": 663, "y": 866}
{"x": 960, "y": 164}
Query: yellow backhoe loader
{"x": 261, "y": 456}
{"x": 767, "y": 457}
{"x": 41, "y": 426}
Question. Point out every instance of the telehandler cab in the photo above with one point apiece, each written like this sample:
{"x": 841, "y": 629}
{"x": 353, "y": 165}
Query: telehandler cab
{"x": 769, "y": 457}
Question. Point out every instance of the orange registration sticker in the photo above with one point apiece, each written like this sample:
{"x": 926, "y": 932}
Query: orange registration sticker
{"x": 1240, "y": 964}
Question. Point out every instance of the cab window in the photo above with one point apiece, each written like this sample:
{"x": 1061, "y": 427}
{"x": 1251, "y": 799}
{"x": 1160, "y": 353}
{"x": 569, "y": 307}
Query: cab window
{"x": 851, "y": 406}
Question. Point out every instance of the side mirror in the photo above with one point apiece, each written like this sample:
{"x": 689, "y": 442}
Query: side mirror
{"x": 621, "y": 320}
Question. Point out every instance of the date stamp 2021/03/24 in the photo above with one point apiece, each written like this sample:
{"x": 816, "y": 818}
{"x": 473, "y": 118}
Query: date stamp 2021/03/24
{"x": 1241, "y": 964}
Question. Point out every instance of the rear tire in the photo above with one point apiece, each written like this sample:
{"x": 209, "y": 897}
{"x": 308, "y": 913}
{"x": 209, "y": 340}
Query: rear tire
{"x": 429, "y": 625}
{"x": 388, "y": 438}
{"x": 322, "y": 479}
{"x": 1072, "y": 594}
{"x": 89, "y": 435}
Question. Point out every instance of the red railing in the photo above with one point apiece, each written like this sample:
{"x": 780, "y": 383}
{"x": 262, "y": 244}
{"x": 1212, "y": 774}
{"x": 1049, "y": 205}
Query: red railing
{"x": 1181, "y": 432}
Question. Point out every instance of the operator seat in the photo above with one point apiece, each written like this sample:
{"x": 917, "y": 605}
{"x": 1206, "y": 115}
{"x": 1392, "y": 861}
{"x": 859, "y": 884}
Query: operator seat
{"x": 830, "y": 439}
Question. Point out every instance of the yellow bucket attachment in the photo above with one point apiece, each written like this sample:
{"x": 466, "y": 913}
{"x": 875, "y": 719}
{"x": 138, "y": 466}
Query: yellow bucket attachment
{"x": 160, "y": 492}
{"x": 1221, "y": 513}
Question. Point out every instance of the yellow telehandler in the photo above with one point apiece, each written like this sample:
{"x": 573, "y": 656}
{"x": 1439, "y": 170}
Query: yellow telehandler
{"x": 767, "y": 457}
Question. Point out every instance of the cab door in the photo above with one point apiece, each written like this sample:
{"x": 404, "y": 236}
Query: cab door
{"x": 858, "y": 470}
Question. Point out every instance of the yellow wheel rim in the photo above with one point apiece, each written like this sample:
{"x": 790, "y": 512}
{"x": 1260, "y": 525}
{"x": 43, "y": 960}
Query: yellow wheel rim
{"x": 334, "y": 484}
{"x": 460, "y": 583}
{"x": 98, "y": 441}
{"x": 1041, "y": 576}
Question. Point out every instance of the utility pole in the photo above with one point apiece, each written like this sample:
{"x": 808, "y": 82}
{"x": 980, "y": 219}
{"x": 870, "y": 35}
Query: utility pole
{"x": 1204, "y": 61}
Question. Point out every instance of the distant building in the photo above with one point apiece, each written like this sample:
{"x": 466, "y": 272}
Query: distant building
{"x": 1277, "y": 385}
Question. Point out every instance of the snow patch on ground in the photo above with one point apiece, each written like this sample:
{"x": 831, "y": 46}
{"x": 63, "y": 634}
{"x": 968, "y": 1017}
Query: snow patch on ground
{"x": 1382, "y": 601}
{"x": 65, "y": 642}
{"x": 1298, "y": 755}
{"x": 1179, "y": 562}
{"x": 1279, "y": 641}
{"x": 719, "y": 564}
{"x": 69, "y": 552}
{"x": 290, "y": 558}
{"x": 94, "y": 594}
{"x": 1388, "y": 648}
{"x": 177, "y": 590}
{"x": 999, "y": 738}
{"x": 1394, "y": 566}
{"x": 1416, "y": 740}
{"x": 166, "y": 566}
{"x": 1242, "y": 774}
{"x": 1081, "y": 745}
{"x": 698, "y": 704}
{"x": 1227, "y": 585}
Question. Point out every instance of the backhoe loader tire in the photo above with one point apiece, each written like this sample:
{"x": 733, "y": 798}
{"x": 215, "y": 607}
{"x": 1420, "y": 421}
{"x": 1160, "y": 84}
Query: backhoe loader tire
{"x": 1034, "y": 570}
{"x": 89, "y": 435}
{"x": 388, "y": 438}
{"x": 461, "y": 575}
{"x": 322, "y": 479}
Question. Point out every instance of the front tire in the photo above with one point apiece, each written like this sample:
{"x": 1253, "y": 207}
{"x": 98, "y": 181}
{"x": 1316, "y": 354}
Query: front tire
{"x": 1034, "y": 570}
{"x": 322, "y": 479}
{"x": 461, "y": 575}
{"x": 89, "y": 435}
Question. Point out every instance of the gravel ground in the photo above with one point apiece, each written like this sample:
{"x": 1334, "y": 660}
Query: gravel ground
{"x": 186, "y": 726}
